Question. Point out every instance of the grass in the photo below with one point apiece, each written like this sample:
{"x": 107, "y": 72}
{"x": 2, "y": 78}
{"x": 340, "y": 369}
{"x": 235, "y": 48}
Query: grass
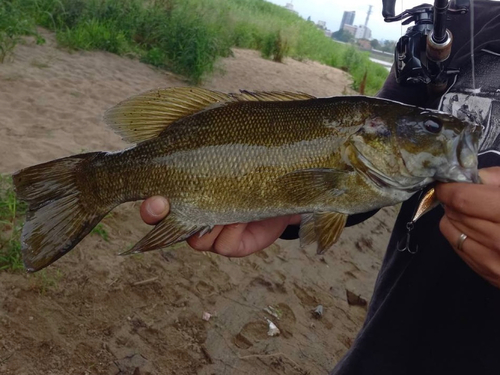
{"x": 13, "y": 24}
{"x": 46, "y": 280}
{"x": 11, "y": 218}
{"x": 100, "y": 231}
{"x": 186, "y": 36}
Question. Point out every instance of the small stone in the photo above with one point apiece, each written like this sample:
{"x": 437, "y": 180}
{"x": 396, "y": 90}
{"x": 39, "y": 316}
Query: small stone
{"x": 354, "y": 299}
{"x": 206, "y": 316}
{"x": 273, "y": 330}
{"x": 318, "y": 312}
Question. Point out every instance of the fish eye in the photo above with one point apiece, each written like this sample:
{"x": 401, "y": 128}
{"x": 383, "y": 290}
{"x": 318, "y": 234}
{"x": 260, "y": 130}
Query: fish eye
{"x": 433, "y": 125}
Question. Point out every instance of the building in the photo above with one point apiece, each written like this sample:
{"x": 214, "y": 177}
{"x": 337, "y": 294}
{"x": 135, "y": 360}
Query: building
{"x": 289, "y": 6}
{"x": 322, "y": 26}
{"x": 363, "y": 32}
{"x": 350, "y": 29}
{"x": 347, "y": 19}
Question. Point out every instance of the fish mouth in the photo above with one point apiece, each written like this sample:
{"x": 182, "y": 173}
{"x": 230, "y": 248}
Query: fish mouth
{"x": 462, "y": 157}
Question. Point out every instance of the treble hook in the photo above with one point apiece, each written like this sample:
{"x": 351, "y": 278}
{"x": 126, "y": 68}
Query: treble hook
{"x": 406, "y": 240}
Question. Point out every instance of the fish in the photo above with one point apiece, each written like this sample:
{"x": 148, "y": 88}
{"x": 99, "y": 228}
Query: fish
{"x": 241, "y": 157}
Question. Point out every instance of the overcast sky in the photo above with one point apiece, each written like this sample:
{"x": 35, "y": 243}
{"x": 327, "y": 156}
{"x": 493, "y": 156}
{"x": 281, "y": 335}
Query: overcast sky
{"x": 331, "y": 12}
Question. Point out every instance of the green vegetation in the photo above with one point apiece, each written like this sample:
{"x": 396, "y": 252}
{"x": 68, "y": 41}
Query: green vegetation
{"x": 13, "y": 24}
{"x": 46, "y": 280}
{"x": 11, "y": 212}
{"x": 343, "y": 36}
{"x": 188, "y": 36}
{"x": 99, "y": 230}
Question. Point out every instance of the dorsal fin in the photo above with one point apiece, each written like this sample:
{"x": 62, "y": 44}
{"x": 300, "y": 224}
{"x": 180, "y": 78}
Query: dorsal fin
{"x": 146, "y": 115}
{"x": 273, "y": 96}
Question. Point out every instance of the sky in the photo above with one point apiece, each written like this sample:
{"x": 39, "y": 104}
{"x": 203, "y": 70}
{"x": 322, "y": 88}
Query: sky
{"x": 331, "y": 12}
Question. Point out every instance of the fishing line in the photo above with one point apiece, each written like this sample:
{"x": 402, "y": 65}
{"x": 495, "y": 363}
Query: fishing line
{"x": 471, "y": 11}
{"x": 401, "y": 23}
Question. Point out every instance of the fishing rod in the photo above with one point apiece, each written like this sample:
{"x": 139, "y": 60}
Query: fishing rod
{"x": 420, "y": 55}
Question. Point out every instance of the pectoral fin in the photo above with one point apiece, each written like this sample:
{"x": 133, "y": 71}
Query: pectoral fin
{"x": 311, "y": 184}
{"x": 165, "y": 233}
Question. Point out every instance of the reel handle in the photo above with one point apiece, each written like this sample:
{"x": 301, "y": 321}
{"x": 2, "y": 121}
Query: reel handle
{"x": 388, "y": 8}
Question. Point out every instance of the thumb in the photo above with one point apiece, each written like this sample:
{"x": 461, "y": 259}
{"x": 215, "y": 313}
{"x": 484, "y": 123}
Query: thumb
{"x": 154, "y": 209}
{"x": 490, "y": 176}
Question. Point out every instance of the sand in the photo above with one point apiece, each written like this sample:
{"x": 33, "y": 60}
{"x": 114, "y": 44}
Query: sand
{"x": 94, "y": 312}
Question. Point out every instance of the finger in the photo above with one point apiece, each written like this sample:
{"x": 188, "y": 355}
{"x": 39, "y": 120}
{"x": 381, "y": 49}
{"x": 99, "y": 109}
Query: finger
{"x": 229, "y": 242}
{"x": 261, "y": 234}
{"x": 239, "y": 240}
{"x": 490, "y": 176}
{"x": 481, "y": 259}
{"x": 205, "y": 242}
{"x": 480, "y": 201}
{"x": 154, "y": 209}
{"x": 294, "y": 220}
{"x": 482, "y": 231}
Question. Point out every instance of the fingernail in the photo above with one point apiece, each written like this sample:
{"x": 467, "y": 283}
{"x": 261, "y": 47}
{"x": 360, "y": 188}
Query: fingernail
{"x": 157, "y": 206}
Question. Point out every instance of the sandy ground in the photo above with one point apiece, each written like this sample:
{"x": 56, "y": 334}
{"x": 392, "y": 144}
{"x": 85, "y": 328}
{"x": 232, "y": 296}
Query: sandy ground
{"x": 94, "y": 312}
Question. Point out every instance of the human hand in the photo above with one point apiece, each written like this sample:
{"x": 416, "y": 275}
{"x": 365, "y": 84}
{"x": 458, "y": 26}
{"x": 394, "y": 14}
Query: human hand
{"x": 474, "y": 210}
{"x": 234, "y": 240}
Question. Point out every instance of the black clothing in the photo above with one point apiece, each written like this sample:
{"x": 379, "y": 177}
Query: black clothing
{"x": 430, "y": 313}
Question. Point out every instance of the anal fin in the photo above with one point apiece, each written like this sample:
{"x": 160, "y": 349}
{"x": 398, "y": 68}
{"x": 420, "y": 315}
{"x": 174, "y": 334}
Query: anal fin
{"x": 167, "y": 232}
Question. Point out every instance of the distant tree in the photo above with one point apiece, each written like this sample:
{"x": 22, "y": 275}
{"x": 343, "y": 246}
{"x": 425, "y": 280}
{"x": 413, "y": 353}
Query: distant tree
{"x": 343, "y": 36}
{"x": 375, "y": 44}
{"x": 309, "y": 19}
{"x": 388, "y": 46}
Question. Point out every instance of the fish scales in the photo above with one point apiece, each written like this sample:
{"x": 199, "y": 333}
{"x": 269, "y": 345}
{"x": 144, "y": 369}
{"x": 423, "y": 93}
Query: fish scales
{"x": 198, "y": 160}
{"x": 228, "y": 158}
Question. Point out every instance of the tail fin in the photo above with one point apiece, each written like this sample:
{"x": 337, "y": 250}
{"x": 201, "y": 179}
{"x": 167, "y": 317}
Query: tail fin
{"x": 59, "y": 215}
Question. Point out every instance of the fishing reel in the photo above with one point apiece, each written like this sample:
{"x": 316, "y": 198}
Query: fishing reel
{"x": 421, "y": 53}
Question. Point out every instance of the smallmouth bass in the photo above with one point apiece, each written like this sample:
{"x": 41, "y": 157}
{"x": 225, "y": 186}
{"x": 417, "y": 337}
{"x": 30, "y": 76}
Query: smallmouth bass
{"x": 229, "y": 158}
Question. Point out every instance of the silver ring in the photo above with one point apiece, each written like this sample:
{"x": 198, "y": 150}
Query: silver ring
{"x": 461, "y": 240}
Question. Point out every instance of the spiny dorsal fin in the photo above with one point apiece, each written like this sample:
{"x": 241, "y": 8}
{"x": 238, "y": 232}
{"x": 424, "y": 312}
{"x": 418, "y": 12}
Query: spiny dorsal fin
{"x": 146, "y": 115}
{"x": 272, "y": 96}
